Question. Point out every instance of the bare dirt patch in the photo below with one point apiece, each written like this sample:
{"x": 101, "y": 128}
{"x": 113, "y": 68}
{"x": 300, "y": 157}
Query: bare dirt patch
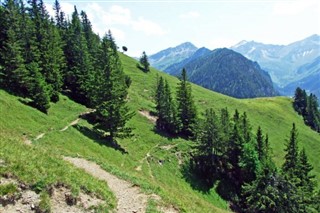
{"x": 27, "y": 201}
{"x": 147, "y": 114}
{"x": 62, "y": 201}
{"x": 130, "y": 198}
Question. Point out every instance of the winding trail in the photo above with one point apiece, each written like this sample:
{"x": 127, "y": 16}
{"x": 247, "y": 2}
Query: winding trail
{"x": 130, "y": 198}
{"x": 71, "y": 124}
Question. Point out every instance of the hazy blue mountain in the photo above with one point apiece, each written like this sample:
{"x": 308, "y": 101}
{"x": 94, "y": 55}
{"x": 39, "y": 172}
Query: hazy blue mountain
{"x": 311, "y": 82}
{"x": 172, "y": 55}
{"x": 228, "y": 72}
{"x": 175, "y": 69}
{"x": 287, "y": 65}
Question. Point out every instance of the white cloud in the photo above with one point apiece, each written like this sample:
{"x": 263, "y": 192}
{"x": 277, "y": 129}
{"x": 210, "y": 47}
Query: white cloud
{"x": 148, "y": 27}
{"x": 67, "y": 8}
{"x": 294, "y": 7}
{"x": 188, "y": 15}
{"x": 117, "y": 33}
{"x": 116, "y": 17}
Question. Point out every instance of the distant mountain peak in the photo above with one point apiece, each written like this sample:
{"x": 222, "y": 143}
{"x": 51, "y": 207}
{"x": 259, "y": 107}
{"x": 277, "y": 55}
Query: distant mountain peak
{"x": 187, "y": 45}
{"x": 243, "y": 42}
{"x": 171, "y": 55}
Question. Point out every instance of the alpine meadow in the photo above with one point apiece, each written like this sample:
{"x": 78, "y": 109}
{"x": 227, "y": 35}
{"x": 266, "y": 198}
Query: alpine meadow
{"x": 86, "y": 128}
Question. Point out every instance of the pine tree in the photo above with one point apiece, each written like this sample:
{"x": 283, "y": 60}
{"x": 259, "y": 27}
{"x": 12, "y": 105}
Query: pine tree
{"x": 160, "y": 102}
{"x": 187, "y": 113}
{"x": 170, "y": 107}
{"x": 292, "y": 156}
{"x": 145, "y": 62}
{"x": 234, "y": 153}
{"x": 245, "y": 127}
{"x": 79, "y": 67}
{"x": 261, "y": 145}
{"x": 38, "y": 91}
{"x": 166, "y": 109}
{"x": 208, "y": 150}
{"x": 226, "y": 127}
{"x": 110, "y": 93}
{"x": 210, "y": 135}
{"x": 14, "y": 75}
{"x": 270, "y": 193}
{"x": 300, "y": 101}
{"x": 93, "y": 40}
{"x": 312, "y": 118}
{"x": 306, "y": 185}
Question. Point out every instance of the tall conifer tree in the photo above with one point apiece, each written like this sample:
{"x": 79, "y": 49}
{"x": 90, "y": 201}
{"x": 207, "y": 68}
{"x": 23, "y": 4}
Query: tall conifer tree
{"x": 187, "y": 113}
{"x": 110, "y": 92}
{"x": 292, "y": 154}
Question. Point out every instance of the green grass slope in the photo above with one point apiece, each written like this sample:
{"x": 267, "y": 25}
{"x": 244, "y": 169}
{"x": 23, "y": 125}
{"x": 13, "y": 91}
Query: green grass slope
{"x": 275, "y": 115}
{"x": 152, "y": 161}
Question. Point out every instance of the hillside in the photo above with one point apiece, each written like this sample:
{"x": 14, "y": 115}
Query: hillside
{"x": 148, "y": 160}
{"x": 227, "y": 72}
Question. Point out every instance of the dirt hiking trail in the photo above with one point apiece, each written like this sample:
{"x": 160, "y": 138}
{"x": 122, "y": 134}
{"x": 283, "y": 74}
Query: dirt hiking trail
{"x": 130, "y": 198}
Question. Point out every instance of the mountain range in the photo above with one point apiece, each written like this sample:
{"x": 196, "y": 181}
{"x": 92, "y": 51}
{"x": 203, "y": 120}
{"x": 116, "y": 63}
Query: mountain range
{"x": 221, "y": 70}
{"x": 216, "y": 70}
{"x": 290, "y": 66}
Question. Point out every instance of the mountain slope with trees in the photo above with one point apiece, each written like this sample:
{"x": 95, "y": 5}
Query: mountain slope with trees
{"x": 119, "y": 136}
{"x": 229, "y": 73}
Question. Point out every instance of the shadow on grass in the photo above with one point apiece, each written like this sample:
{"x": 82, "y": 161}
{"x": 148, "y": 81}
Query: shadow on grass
{"x": 164, "y": 134}
{"x": 96, "y": 137}
{"x": 195, "y": 181}
{"x": 30, "y": 103}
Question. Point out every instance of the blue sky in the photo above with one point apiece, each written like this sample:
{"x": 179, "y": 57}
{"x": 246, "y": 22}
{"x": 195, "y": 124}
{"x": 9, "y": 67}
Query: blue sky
{"x": 153, "y": 25}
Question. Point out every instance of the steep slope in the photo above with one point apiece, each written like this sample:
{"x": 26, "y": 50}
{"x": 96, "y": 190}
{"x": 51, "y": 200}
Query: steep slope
{"x": 284, "y": 62}
{"x": 149, "y": 160}
{"x": 169, "y": 56}
{"x": 228, "y": 72}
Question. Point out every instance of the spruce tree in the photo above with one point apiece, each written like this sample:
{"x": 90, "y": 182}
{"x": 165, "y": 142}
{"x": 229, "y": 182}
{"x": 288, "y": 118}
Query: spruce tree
{"x": 187, "y": 113}
{"x": 270, "y": 193}
{"x": 145, "y": 62}
{"x": 14, "y": 75}
{"x": 39, "y": 91}
{"x": 110, "y": 93}
{"x": 261, "y": 145}
{"x": 160, "y": 102}
{"x": 79, "y": 67}
{"x": 306, "y": 185}
{"x": 208, "y": 149}
{"x": 245, "y": 127}
{"x": 166, "y": 109}
{"x": 300, "y": 101}
{"x": 234, "y": 153}
{"x": 313, "y": 114}
{"x": 210, "y": 135}
{"x": 226, "y": 127}
{"x": 292, "y": 155}
{"x": 171, "y": 111}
